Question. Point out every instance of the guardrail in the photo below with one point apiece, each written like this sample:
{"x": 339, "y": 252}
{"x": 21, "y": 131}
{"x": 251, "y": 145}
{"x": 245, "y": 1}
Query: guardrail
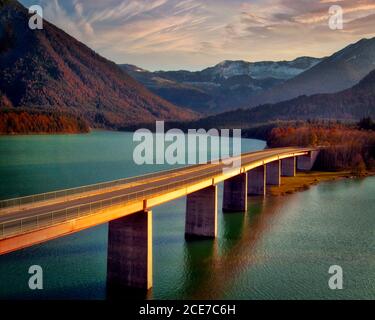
{"x": 37, "y": 222}
{"x": 72, "y": 191}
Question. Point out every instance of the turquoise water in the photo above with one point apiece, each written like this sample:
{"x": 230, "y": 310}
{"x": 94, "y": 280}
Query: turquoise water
{"x": 281, "y": 248}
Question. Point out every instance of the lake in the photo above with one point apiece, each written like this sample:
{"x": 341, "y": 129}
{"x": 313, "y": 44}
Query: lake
{"x": 281, "y": 248}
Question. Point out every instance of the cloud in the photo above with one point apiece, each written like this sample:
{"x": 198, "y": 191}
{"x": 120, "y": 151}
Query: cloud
{"x": 174, "y": 34}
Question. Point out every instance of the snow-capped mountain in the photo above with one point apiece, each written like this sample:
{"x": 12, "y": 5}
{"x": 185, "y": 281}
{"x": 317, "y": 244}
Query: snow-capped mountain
{"x": 283, "y": 70}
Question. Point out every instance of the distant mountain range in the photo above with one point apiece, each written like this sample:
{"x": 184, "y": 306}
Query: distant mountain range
{"x": 350, "y": 104}
{"x": 49, "y": 70}
{"x": 228, "y": 85}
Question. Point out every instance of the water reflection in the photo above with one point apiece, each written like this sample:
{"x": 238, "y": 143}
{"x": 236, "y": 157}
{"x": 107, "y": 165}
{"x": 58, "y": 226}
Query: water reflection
{"x": 212, "y": 266}
{"x": 199, "y": 257}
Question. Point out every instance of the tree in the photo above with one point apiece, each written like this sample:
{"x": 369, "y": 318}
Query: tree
{"x": 366, "y": 124}
{"x": 359, "y": 165}
{"x": 313, "y": 139}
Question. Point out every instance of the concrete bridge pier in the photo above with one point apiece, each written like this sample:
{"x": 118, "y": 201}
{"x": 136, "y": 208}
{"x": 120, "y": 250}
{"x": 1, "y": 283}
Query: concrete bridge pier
{"x": 257, "y": 181}
{"x": 288, "y": 167}
{"x": 235, "y": 194}
{"x": 201, "y": 214}
{"x": 129, "y": 262}
{"x": 273, "y": 173}
{"x": 305, "y": 163}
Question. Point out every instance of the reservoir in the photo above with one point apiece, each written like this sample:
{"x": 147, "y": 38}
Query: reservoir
{"x": 282, "y": 248}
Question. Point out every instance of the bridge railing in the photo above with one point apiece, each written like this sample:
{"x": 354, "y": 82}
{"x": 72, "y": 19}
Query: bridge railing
{"x": 22, "y": 225}
{"x": 17, "y": 202}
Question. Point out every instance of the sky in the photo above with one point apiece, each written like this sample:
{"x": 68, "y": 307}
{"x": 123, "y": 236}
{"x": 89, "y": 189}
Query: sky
{"x": 194, "y": 34}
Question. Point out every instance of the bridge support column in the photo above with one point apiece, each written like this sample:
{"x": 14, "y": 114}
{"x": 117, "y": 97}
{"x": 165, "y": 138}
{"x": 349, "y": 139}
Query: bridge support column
{"x": 235, "y": 194}
{"x": 273, "y": 173}
{"x": 201, "y": 214}
{"x": 305, "y": 163}
{"x": 257, "y": 181}
{"x": 288, "y": 167}
{"x": 129, "y": 263}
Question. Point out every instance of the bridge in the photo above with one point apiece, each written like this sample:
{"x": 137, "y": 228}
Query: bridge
{"x": 126, "y": 205}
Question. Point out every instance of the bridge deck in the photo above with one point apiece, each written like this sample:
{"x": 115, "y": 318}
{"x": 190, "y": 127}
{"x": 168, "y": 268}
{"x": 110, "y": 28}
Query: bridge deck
{"x": 134, "y": 194}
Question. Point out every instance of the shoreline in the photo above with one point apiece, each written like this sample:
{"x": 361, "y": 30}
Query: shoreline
{"x": 43, "y": 134}
{"x": 304, "y": 180}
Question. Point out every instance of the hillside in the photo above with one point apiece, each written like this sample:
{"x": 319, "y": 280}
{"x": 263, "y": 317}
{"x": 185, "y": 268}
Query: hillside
{"x": 49, "y": 70}
{"x": 351, "y": 104}
{"x": 32, "y": 122}
{"x": 178, "y": 93}
{"x": 340, "y": 71}
{"x": 345, "y": 147}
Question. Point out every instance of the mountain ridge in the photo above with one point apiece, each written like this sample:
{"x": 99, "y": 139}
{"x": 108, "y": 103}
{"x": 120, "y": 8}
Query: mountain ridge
{"x": 340, "y": 71}
{"x": 45, "y": 69}
{"x": 225, "y": 86}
